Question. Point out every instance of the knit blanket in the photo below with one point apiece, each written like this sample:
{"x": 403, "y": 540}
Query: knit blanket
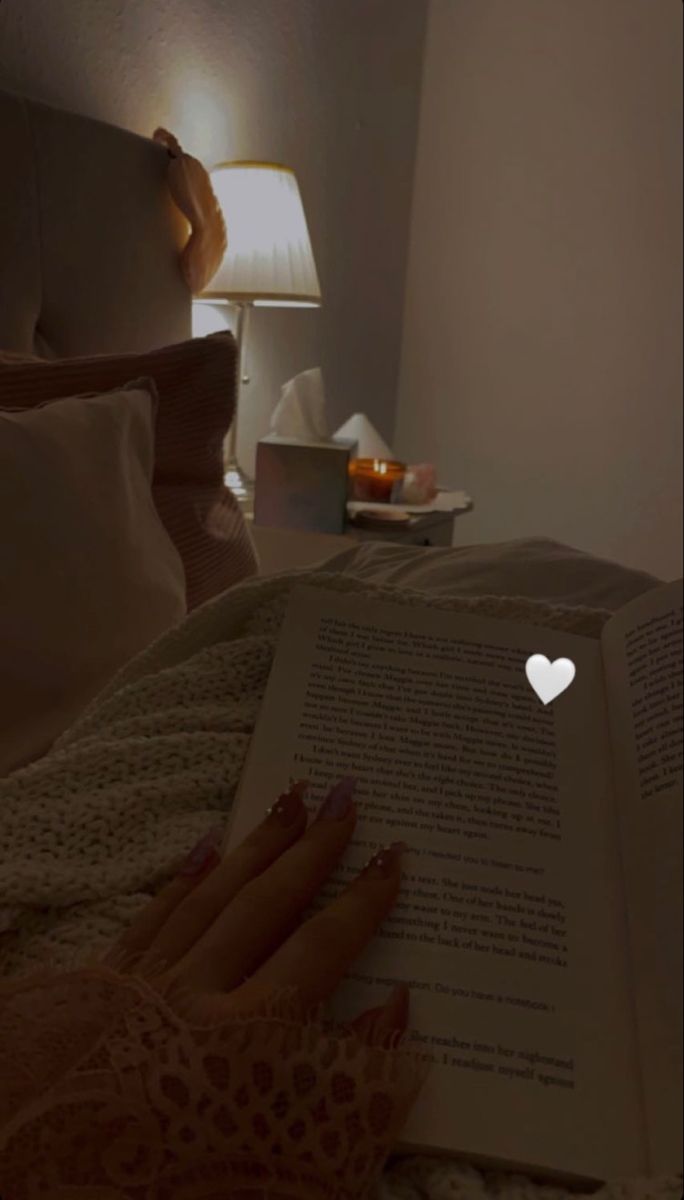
{"x": 97, "y": 826}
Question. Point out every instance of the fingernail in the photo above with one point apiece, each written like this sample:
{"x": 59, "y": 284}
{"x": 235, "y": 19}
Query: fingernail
{"x": 204, "y": 855}
{"x": 289, "y": 806}
{"x": 338, "y": 803}
{"x": 384, "y": 862}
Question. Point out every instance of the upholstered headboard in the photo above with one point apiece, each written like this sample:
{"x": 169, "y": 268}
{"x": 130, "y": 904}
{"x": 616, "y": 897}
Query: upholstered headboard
{"x": 89, "y": 237}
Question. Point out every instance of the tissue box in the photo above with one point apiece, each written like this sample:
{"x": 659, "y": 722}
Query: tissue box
{"x": 302, "y": 485}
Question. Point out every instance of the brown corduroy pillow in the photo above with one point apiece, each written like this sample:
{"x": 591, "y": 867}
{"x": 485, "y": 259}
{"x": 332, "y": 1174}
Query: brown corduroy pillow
{"x": 196, "y": 386}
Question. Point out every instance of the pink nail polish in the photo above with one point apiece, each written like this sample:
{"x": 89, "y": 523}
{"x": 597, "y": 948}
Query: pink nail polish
{"x": 288, "y": 807}
{"x": 384, "y": 863}
{"x": 337, "y": 804}
{"x": 204, "y": 855}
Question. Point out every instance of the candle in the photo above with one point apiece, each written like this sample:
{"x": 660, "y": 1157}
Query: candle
{"x": 375, "y": 480}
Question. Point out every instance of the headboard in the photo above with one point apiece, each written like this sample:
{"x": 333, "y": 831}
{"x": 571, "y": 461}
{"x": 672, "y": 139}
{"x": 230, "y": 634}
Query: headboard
{"x": 89, "y": 237}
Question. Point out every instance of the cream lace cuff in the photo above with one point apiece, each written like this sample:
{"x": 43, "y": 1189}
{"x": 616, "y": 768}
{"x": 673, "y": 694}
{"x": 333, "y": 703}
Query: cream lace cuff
{"x": 109, "y": 1094}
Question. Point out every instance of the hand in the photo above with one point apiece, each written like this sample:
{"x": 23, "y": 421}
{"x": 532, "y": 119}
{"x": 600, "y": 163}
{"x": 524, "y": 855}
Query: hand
{"x": 228, "y": 930}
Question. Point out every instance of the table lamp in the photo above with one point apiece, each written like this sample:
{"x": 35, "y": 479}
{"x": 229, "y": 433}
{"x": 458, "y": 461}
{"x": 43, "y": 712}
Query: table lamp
{"x": 268, "y": 262}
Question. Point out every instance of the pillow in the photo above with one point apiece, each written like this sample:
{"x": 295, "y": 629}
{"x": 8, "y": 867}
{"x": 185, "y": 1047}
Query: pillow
{"x": 196, "y": 386}
{"x": 89, "y": 574}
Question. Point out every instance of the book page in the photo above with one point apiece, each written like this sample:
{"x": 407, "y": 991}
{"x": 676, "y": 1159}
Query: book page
{"x": 509, "y": 928}
{"x": 642, "y": 650}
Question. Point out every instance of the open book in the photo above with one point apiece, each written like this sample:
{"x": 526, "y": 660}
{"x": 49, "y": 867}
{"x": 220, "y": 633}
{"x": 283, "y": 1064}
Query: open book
{"x": 539, "y": 920}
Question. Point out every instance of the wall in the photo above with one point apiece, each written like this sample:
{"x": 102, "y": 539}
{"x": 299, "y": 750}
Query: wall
{"x": 541, "y": 365}
{"x": 330, "y": 88}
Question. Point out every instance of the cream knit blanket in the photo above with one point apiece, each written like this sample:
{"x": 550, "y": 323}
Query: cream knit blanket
{"x": 93, "y": 829}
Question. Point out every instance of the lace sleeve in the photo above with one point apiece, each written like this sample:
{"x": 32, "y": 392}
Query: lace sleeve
{"x": 109, "y": 1094}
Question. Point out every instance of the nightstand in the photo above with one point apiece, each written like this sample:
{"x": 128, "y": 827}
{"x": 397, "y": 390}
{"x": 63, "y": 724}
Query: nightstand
{"x": 425, "y": 529}
{"x": 290, "y": 549}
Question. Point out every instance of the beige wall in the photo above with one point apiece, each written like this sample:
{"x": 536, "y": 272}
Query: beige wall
{"x": 330, "y": 88}
{"x": 541, "y": 363}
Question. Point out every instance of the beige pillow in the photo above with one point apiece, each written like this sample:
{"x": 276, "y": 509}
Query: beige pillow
{"x": 88, "y": 574}
{"x": 196, "y": 386}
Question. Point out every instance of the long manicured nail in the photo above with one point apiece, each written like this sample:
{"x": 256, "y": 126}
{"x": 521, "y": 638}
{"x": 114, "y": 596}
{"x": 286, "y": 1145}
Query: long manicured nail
{"x": 337, "y": 804}
{"x": 290, "y": 805}
{"x": 204, "y": 855}
{"x": 384, "y": 863}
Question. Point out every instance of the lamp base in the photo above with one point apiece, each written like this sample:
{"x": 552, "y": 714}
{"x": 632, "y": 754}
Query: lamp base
{"x": 240, "y": 484}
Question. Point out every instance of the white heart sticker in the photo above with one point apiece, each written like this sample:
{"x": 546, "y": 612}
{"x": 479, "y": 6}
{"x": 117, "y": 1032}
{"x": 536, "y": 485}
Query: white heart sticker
{"x": 549, "y": 679}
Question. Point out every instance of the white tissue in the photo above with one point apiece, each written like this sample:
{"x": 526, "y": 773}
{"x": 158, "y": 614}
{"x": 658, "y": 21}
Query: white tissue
{"x": 300, "y": 412}
{"x": 370, "y": 444}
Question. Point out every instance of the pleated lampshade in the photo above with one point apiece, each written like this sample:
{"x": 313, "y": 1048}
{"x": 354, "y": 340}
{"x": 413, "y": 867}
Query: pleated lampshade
{"x": 269, "y": 259}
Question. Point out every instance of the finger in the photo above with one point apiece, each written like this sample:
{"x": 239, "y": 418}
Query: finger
{"x": 188, "y": 922}
{"x": 269, "y": 907}
{"x": 180, "y": 915}
{"x": 139, "y": 936}
{"x": 387, "y": 1021}
{"x": 382, "y": 1025}
{"x": 318, "y": 955}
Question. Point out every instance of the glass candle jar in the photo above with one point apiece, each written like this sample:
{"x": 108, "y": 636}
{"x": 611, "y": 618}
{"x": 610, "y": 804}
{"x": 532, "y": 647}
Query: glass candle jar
{"x": 375, "y": 480}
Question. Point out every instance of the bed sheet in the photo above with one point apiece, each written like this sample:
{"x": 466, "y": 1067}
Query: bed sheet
{"x": 535, "y": 568}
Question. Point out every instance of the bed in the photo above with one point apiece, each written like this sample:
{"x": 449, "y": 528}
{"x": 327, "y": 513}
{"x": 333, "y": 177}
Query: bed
{"x": 89, "y": 266}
